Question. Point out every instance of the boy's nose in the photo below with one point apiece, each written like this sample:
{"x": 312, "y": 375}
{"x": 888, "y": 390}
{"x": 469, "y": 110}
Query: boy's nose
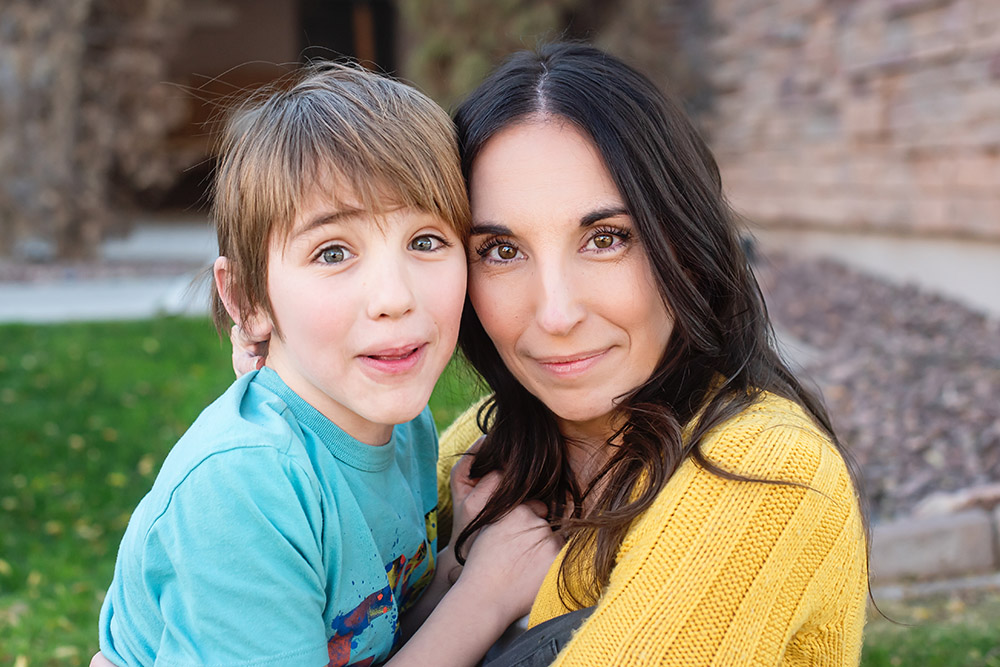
{"x": 391, "y": 293}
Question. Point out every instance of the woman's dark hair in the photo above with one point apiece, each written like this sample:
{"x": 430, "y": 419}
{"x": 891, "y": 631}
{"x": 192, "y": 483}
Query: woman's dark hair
{"x": 720, "y": 355}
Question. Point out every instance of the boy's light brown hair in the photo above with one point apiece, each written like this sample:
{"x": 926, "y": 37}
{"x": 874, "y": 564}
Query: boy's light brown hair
{"x": 383, "y": 142}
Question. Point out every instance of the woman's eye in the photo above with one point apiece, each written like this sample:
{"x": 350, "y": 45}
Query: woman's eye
{"x": 426, "y": 243}
{"x": 604, "y": 240}
{"x": 334, "y": 254}
{"x": 498, "y": 251}
{"x": 607, "y": 240}
{"x": 506, "y": 251}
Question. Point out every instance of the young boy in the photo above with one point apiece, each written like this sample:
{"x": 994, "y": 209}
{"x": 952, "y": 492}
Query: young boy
{"x": 296, "y": 519}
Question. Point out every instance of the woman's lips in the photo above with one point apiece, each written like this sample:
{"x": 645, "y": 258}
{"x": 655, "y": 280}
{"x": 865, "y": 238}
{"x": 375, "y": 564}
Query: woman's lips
{"x": 394, "y": 361}
{"x": 567, "y": 366}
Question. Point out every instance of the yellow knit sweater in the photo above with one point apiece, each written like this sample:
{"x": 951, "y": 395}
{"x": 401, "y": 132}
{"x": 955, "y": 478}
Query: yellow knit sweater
{"x": 719, "y": 572}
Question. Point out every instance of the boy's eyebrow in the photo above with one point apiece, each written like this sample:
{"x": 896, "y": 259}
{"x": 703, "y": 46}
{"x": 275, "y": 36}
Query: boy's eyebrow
{"x": 330, "y": 218}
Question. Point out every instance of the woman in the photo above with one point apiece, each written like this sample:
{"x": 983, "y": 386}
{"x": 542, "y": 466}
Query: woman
{"x": 710, "y": 512}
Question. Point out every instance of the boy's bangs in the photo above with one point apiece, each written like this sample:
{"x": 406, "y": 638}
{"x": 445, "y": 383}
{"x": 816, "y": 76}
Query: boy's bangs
{"x": 373, "y": 186}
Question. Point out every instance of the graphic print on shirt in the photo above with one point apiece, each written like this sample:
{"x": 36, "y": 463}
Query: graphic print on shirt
{"x": 349, "y": 625}
{"x": 399, "y": 592}
{"x": 400, "y": 570}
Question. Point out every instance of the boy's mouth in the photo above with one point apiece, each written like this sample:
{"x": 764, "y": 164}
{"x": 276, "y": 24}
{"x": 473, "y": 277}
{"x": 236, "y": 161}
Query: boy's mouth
{"x": 394, "y": 361}
{"x": 394, "y": 355}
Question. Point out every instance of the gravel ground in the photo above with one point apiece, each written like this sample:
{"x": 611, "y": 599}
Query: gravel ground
{"x": 912, "y": 380}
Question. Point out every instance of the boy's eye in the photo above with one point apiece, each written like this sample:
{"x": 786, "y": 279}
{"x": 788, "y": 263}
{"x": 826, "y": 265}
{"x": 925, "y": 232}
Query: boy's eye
{"x": 334, "y": 254}
{"x": 426, "y": 243}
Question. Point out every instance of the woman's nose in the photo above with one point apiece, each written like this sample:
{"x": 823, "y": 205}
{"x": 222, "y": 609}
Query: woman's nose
{"x": 559, "y": 307}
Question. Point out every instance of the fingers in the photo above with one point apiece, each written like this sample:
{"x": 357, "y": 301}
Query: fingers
{"x": 100, "y": 661}
{"x": 461, "y": 483}
{"x": 249, "y": 349}
{"x": 254, "y": 330}
{"x": 538, "y": 507}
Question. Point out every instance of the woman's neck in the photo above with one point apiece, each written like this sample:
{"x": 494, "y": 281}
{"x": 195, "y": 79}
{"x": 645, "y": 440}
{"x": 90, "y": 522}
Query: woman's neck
{"x": 587, "y": 447}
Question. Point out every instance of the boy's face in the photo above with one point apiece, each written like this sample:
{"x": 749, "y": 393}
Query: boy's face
{"x": 368, "y": 312}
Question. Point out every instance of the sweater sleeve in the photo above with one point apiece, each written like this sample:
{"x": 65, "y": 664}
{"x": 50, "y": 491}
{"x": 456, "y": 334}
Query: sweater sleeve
{"x": 722, "y": 572}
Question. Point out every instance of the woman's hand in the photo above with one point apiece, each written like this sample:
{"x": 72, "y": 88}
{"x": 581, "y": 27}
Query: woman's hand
{"x": 249, "y": 347}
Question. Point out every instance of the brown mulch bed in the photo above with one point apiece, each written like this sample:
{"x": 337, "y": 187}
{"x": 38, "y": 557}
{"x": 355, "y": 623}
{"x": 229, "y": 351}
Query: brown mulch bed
{"x": 912, "y": 380}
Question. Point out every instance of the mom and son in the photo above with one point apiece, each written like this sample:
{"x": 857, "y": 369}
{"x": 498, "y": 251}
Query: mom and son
{"x": 646, "y": 466}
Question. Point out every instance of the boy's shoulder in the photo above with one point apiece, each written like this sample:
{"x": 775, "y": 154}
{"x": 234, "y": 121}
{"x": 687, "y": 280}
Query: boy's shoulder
{"x": 246, "y": 416}
{"x": 246, "y": 427}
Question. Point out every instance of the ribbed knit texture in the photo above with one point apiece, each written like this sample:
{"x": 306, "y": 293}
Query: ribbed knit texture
{"x": 720, "y": 572}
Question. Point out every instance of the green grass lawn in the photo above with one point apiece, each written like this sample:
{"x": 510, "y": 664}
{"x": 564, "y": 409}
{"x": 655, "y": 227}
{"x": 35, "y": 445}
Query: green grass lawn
{"x": 940, "y": 631}
{"x": 87, "y": 413}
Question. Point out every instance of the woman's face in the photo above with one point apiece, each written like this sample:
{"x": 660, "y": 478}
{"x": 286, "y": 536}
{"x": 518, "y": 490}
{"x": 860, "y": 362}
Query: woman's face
{"x": 557, "y": 274}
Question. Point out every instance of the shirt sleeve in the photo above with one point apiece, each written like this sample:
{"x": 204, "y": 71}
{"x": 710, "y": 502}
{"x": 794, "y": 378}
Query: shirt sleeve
{"x": 236, "y": 563}
{"x": 730, "y": 572}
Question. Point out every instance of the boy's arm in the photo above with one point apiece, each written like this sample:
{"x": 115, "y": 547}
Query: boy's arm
{"x": 455, "y": 441}
{"x": 233, "y": 566}
{"x": 506, "y": 566}
{"x": 467, "y": 497}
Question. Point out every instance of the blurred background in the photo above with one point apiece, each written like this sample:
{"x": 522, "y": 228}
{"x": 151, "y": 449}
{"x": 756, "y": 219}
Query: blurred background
{"x": 859, "y": 142}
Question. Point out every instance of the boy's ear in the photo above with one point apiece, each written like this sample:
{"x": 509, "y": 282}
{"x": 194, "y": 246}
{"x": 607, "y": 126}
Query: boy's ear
{"x": 257, "y": 326}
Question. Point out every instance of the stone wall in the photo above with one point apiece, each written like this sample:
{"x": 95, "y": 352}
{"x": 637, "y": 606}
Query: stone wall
{"x": 82, "y": 110}
{"x": 879, "y": 115}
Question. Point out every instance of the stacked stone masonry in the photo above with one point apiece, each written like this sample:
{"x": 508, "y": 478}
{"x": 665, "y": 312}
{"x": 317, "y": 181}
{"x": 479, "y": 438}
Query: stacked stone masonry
{"x": 879, "y": 115}
{"x": 946, "y": 546}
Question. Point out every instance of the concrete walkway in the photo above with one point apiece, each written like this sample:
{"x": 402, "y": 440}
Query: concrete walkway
{"x": 962, "y": 270}
{"x": 188, "y": 243}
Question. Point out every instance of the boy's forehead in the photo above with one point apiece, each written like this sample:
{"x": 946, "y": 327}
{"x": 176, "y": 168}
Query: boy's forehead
{"x": 334, "y": 197}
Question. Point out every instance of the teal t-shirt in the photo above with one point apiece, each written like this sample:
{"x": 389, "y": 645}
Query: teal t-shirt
{"x": 271, "y": 537}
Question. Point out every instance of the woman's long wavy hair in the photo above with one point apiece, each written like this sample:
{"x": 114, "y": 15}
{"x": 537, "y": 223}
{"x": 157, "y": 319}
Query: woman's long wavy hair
{"x": 720, "y": 355}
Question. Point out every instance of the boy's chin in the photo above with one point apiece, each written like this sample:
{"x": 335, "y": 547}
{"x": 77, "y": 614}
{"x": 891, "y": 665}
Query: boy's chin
{"x": 401, "y": 409}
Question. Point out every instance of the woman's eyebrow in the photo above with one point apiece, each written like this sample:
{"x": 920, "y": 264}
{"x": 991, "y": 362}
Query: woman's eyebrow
{"x": 490, "y": 228}
{"x": 602, "y": 214}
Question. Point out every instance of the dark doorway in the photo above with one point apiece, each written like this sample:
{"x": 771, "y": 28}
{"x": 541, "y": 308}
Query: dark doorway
{"x": 360, "y": 29}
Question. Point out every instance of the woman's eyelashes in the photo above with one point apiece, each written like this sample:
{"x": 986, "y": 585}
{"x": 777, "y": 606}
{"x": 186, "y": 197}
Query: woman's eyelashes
{"x": 497, "y": 250}
{"x": 502, "y": 250}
